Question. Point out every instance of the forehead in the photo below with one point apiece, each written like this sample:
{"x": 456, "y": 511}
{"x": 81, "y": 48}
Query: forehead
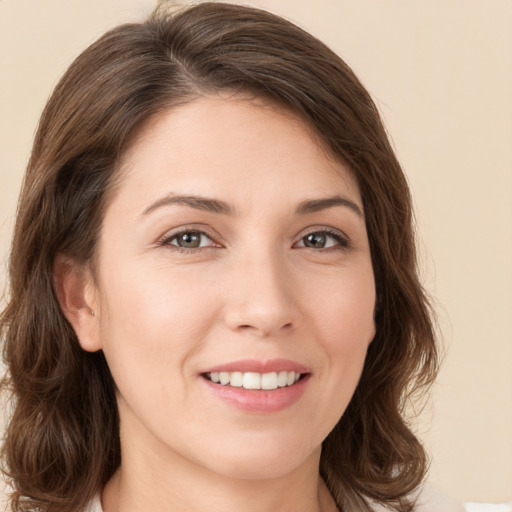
{"x": 216, "y": 142}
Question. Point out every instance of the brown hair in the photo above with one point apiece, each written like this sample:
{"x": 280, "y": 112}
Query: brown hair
{"x": 62, "y": 443}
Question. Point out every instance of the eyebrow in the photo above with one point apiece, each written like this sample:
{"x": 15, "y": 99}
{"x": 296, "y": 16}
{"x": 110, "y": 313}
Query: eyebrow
{"x": 316, "y": 205}
{"x": 197, "y": 202}
{"x": 217, "y": 206}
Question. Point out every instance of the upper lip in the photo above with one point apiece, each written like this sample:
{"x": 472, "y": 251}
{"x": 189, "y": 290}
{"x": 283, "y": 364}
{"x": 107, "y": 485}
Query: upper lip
{"x": 260, "y": 366}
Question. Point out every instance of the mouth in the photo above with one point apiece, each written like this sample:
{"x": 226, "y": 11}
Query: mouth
{"x": 254, "y": 380}
{"x": 258, "y": 386}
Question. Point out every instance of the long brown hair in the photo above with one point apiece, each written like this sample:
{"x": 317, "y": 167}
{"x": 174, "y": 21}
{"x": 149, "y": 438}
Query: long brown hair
{"x": 62, "y": 442}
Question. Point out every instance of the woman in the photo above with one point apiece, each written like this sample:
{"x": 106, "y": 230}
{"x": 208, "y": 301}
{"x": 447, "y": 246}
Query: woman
{"x": 214, "y": 299}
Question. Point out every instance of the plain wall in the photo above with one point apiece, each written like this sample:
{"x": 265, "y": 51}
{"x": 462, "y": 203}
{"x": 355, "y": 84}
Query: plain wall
{"x": 441, "y": 73}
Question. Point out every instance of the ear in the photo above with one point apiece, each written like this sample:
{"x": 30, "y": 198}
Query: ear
{"x": 373, "y": 333}
{"x": 78, "y": 299}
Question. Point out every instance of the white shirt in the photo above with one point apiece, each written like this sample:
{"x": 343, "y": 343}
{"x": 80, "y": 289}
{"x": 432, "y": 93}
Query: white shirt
{"x": 95, "y": 505}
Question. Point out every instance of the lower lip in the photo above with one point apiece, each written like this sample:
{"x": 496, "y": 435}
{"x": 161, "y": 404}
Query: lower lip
{"x": 259, "y": 401}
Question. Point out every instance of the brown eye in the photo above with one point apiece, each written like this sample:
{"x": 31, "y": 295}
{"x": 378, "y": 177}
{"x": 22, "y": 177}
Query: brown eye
{"x": 315, "y": 240}
{"x": 323, "y": 240}
{"x": 190, "y": 240}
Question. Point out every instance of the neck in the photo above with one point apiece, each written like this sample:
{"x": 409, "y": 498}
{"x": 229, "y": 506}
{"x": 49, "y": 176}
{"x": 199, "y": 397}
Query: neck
{"x": 155, "y": 478}
{"x": 124, "y": 493}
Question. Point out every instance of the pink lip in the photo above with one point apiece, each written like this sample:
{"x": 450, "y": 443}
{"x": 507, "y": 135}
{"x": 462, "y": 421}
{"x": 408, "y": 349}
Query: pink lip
{"x": 253, "y": 365}
{"x": 260, "y": 401}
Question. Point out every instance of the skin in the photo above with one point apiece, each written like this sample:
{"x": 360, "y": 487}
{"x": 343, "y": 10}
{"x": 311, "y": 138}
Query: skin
{"x": 253, "y": 289}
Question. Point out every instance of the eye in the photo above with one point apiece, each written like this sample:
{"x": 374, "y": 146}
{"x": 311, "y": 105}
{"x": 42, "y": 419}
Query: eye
{"x": 322, "y": 240}
{"x": 189, "y": 240}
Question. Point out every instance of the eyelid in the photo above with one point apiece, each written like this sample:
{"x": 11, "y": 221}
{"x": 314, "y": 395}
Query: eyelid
{"x": 341, "y": 237}
{"x": 344, "y": 241}
{"x": 174, "y": 233}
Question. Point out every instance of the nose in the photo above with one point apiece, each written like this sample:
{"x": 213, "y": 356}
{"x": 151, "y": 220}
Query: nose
{"x": 262, "y": 298}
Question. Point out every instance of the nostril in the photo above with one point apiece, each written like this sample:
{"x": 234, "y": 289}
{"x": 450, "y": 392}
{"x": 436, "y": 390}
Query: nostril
{"x": 246, "y": 327}
{"x": 259, "y": 317}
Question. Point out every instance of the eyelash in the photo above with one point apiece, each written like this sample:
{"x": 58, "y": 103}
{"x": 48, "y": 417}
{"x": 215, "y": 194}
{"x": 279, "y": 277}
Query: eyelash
{"x": 167, "y": 239}
{"x": 342, "y": 241}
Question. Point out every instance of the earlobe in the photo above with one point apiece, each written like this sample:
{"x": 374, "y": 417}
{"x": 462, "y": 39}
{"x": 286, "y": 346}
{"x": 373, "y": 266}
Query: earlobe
{"x": 372, "y": 335}
{"x": 77, "y": 296}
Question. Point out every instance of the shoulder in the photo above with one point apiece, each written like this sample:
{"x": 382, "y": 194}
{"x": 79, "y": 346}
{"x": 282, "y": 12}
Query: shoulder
{"x": 431, "y": 498}
{"x": 94, "y": 505}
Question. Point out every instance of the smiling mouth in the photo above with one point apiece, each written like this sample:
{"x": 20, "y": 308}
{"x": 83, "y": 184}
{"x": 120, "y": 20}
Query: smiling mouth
{"x": 254, "y": 380}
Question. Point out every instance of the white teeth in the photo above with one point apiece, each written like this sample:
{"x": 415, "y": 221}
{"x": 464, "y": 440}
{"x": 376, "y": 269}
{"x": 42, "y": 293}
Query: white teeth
{"x": 282, "y": 379}
{"x": 269, "y": 380}
{"x": 253, "y": 380}
{"x": 237, "y": 379}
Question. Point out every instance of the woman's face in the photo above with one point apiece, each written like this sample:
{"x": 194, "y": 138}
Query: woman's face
{"x": 233, "y": 256}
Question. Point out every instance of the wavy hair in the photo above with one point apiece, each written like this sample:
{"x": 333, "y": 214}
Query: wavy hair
{"x": 62, "y": 441}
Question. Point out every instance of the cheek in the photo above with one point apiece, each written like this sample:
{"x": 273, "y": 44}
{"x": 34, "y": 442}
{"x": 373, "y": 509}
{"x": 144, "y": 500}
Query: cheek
{"x": 345, "y": 312}
{"x": 344, "y": 322}
{"x": 152, "y": 322}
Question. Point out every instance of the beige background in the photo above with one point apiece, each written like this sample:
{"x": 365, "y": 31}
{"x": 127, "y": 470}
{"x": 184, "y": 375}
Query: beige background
{"x": 441, "y": 72}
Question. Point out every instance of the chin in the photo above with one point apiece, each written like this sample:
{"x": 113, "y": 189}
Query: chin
{"x": 263, "y": 461}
